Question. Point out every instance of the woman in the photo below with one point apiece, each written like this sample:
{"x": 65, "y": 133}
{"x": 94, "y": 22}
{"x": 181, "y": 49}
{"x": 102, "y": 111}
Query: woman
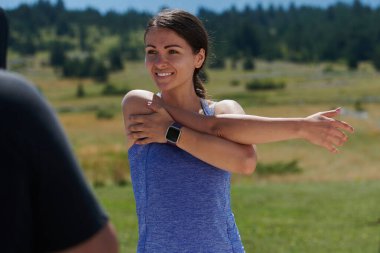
{"x": 181, "y": 178}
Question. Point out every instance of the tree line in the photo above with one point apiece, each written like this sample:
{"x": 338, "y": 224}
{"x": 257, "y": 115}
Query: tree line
{"x": 340, "y": 32}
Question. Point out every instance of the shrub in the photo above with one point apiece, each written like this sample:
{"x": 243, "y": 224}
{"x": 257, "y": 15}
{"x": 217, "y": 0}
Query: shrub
{"x": 249, "y": 64}
{"x": 111, "y": 90}
{"x": 104, "y": 114}
{"x": 278, "y": 168}
{"x": 264, "y": 85}
{"x": 80, "y": 91}
{"x": 235, "y": 83}
{"x": 352, "y": 62}
{"x": 359, "y": 106}
{"x": 328, "y": 69}
{"x": 217, "y": 63}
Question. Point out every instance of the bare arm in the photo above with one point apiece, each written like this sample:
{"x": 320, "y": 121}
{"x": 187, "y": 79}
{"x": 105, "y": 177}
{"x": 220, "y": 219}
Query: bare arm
{"x": 143, "y": 128}
{"x": 103, "y": 241}
{"x": 320, "y": 128}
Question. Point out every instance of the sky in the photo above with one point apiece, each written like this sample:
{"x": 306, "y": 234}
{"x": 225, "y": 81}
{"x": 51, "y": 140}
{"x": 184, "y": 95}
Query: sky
{"x": 191, "y": 6}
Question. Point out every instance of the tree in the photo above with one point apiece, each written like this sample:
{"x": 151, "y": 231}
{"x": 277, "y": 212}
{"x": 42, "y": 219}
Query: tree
{"x": 248, "y": 63}
{"x": 62, "y": 27}
{"x": 217, "y": 63}
{"x": 376, "y": 58}
{"x": 57, "y": 54}
{"x": 115, "y": 59}
{"x": 82, "y": 38}
{"x": 352, "y": 62}
{"x": 100, "y": 72}
{"x": 71, "y": 68}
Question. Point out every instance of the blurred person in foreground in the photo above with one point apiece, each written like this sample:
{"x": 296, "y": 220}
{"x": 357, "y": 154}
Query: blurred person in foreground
{"x": 46, "y": 205}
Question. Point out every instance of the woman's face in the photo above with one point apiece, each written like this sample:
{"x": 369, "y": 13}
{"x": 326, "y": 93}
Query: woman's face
{"x": 170, "y": 59}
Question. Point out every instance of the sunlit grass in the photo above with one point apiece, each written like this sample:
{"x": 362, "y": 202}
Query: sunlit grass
{"x": 335, "y": 217}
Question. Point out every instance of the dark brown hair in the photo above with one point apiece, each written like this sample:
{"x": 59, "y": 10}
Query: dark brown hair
{"x": 191, "y": 29}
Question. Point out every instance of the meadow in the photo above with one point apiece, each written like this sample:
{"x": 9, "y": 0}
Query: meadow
{"x": 332, "y": 205}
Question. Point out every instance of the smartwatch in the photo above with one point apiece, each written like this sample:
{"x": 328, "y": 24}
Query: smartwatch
{"x": 173, "y": 133}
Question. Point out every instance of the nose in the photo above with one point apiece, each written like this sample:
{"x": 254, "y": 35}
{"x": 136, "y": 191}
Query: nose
{"x": 160, "y": 61}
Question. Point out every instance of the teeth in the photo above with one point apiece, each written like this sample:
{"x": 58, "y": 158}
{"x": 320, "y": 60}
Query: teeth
{"x": 164, "y": 74}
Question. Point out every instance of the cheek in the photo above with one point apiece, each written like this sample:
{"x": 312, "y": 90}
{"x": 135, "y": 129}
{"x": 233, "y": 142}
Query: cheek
{"x": 148, "y": 62}
{"x": 184, "y": 63}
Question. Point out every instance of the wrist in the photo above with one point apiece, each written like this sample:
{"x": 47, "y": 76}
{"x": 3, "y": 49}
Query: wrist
{"x": 300, "y": 129}
{"x": 173, "y": 133}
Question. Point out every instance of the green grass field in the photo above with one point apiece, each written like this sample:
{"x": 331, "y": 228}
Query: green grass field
{"x": 337, "y": 217}
{"x": 331, "y": 206}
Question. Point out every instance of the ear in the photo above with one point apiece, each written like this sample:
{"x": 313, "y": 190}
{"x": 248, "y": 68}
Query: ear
{"x": 200, "y": 57}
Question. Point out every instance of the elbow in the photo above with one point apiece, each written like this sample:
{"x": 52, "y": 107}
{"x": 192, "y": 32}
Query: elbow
{"x": 104, "y": 240}
{"x": 113, "y": 244}
{"x": 109, "y": 242}
{"x": 247, "y": 164}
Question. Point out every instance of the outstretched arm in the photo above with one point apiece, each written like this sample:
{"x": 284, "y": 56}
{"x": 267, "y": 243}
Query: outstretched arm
{"x": 320, "y": 129}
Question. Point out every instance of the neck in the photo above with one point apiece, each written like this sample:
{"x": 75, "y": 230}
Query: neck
{"x": 184, "y": 99}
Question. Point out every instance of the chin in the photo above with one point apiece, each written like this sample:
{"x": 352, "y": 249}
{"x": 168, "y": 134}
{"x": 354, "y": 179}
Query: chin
{"x": 162, "y": 86}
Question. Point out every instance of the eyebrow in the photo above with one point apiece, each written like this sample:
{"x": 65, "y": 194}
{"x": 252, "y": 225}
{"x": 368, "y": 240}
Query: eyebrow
{"x": 165, "y": 47}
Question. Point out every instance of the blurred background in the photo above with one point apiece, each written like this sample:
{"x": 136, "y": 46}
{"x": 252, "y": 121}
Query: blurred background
{"x": 276, "y": 58}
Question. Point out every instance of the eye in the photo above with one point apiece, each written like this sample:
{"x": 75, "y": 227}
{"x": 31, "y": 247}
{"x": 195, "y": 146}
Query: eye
{"x": 172, "y": 51}
{"x": 151, "y": 51}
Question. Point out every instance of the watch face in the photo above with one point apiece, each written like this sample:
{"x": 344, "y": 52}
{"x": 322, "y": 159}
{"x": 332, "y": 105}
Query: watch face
{"x": 173, "y": 134}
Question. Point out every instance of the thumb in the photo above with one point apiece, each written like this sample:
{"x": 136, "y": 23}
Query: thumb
{"x": 156, "y": 99}
{"x": 332, "y": 113}
{"x": 154, "y": 106}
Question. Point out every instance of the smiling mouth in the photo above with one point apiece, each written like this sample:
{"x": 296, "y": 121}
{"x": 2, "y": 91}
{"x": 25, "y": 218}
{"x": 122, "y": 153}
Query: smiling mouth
{"x": 164, "y": 74}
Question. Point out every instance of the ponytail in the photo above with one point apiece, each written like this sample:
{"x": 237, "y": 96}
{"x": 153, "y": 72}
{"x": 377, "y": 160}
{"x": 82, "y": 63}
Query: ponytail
{"x": 199, "y": 88}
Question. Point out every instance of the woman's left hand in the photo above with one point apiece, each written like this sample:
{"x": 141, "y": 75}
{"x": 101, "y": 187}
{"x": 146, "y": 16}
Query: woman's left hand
{"x": 148, "y": 128}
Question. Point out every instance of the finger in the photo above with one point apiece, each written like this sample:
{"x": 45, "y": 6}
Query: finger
{"x": 137, "y": 135}
{"x": 331, "y": 148}
{"x": 130, "y": 137}
{"x": 328, "y": 144}
{"x": 343, "y": 125}
{"x": 143, "y": 141}
{"x": 342, "y": 137}
{"x": 157, "y": 99}
{"x": 332, "y": 113}
{"x": 336, "y": 141}
{"x": 334, "y": 150}
{"x": 136, "y": 127}
{"x": 138, "y": 118}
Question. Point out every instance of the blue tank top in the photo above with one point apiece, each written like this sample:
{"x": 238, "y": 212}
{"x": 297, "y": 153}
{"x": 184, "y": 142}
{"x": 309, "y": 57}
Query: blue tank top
{"x": 182, "y": 203}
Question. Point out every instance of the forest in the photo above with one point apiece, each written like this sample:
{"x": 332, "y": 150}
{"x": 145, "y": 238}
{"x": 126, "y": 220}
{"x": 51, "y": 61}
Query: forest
{"x": 348, "y": 33}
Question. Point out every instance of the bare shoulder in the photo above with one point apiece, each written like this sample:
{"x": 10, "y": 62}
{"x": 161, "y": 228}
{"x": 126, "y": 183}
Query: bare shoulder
{"x": 228, "y": 107}
{"x": 134, "y": 102}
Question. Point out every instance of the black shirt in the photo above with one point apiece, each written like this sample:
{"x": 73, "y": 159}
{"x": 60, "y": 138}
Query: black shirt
{"x": 45, "y": 204}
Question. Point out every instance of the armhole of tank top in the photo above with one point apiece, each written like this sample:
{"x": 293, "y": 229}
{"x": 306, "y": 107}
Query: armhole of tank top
{"x": 208, "y": 109}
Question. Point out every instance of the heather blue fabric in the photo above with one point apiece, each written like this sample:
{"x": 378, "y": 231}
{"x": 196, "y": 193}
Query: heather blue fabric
{"x": 182, "y": 203}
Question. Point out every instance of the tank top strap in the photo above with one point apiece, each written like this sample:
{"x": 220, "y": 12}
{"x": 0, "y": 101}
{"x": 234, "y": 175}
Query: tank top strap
{"x": 207, "y": 109}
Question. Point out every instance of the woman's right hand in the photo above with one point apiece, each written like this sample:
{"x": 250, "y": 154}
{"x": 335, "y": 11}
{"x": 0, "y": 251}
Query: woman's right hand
{"x": 323, "y": 130}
